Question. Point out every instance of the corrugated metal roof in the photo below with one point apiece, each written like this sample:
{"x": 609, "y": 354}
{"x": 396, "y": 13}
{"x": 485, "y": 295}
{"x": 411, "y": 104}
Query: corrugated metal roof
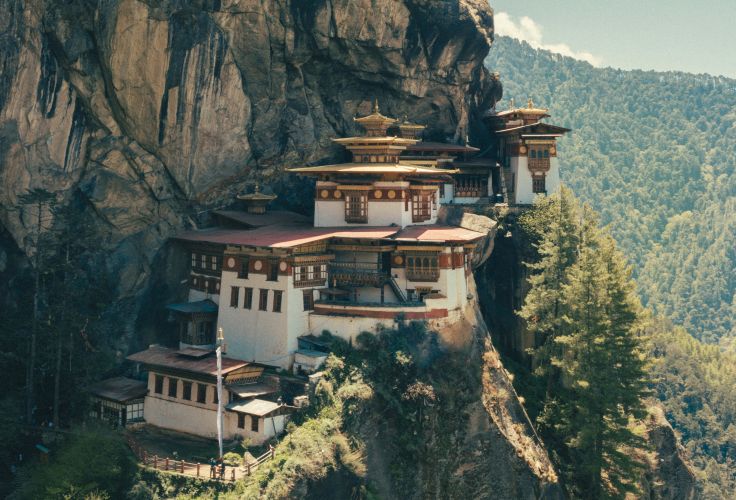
{"x": 259, "y": 220}
{"x": 310, "y": 353}
{"x": 200, "y": 306}
{"x": 257, "y": 407}
{"x": 159, "y": 356}
{"x": 119, "y": 389}
{"x": 441, "y": 146}
{"x": 251, "y": 390}
{"x": 284, "y": 236}
{"x": 436, "y": 233}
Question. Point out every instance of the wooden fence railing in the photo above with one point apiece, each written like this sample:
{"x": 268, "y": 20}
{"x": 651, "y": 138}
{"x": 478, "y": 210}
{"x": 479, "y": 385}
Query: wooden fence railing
{"x": 204, "y": 471}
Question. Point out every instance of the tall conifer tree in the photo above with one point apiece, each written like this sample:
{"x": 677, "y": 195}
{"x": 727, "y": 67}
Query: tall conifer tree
{"x": 583, "y": 303}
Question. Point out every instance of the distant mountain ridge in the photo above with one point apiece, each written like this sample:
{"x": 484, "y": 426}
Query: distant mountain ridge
{"x": 655, "y": 154}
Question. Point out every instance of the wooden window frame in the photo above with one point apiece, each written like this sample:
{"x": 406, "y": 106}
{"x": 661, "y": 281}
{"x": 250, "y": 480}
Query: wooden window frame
{"x": 272, "y": 270}
{"x": 278, "y": 297}
{"x": 263, "y": 299}
{"x": 421, "y": 207}
{"x": 308, "y": 300}
{"x": 247, "y": 298}
{"x": 241, "y": 421}
{"x": 202, "y": 393}
{"x": 356, "y": 207}
{"x": 173, "y": 384}
{"x": 186, "y": 393}
{"x": 539, "y": 185}
{"x": 234, "y": 296}
{"x": 423, "y": 267}
{"x": 158, "y": 384}
{"x": 254, "y": 424}
{"x": 243, "y": 270}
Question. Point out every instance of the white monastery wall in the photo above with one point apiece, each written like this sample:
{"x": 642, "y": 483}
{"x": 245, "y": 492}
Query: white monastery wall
{"x": 252, "y": 334}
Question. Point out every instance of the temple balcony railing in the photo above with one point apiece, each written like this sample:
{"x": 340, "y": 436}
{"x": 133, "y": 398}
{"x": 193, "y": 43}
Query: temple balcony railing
{"x": 350, "y": 303}
{"x": 310, "y": 282}
{"x": 357, "y": 274}
{"x": 431, "y": 275}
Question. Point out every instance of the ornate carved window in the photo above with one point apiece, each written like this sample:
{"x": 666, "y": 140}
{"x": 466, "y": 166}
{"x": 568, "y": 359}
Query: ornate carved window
{"x": 539, "y": 158}
{"x": 421, "y": 208}
{"x": 310, "y": 275}
{"x": 423, "y": 266}
{"x": 356, "y": 207}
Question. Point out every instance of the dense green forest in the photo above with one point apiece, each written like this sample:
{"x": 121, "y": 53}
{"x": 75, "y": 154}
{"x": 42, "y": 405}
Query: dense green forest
{"x": 655, "y": 154}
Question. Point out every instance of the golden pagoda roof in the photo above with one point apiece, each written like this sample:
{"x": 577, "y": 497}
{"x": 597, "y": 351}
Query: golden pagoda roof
{"x": 406, "y": 124}
{"x": 388, "y": 139}
{"x": 372, "y": 168}
{"x": 375, "y": 118}
{"x": 530, "y": 109}
{"x": 256, "y": 195}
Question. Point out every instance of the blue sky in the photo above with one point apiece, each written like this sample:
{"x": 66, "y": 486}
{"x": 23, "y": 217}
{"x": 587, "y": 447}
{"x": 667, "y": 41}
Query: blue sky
{"x": 693, "y": 36}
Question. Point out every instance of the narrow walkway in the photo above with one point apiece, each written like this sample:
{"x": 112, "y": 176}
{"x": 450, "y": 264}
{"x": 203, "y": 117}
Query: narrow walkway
{"x": 203, "y": 471}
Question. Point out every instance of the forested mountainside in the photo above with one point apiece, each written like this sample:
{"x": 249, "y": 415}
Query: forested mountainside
{"x": 655, "y": 154}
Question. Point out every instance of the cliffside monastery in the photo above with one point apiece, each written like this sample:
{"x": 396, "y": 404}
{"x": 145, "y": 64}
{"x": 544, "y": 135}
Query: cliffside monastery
{"x": 377, "y": 252}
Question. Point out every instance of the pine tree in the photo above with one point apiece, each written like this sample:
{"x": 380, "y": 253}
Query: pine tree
{"x": 583, "y": 303}
{"x": 554, "y": 222}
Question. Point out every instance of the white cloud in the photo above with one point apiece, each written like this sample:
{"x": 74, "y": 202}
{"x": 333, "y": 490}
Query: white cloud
{"x": 530, "y": 31}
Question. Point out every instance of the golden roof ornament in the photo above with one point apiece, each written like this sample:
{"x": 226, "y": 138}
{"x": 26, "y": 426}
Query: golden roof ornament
{"x": 256, "y": 201}
{"x": 530, "y": 103}
{"x": 375, "y": 124}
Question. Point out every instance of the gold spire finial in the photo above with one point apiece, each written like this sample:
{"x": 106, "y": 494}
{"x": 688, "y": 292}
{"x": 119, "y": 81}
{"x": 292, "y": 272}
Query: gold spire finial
{"x": 512, "y": 103}
{"x": 530, "y": 103}
{"x": 257, "y": 188}
{"x": 375, "y": 105}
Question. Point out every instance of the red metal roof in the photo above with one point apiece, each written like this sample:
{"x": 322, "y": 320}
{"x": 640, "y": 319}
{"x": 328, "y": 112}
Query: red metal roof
{"x": 285, "y": 236}
{"x": 269, "y": 218}
{"x": 437, "y": 233}
{"x": 163, "y": 357}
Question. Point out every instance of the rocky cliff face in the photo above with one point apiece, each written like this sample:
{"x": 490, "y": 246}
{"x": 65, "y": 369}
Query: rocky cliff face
{"x": 141, "y": 112}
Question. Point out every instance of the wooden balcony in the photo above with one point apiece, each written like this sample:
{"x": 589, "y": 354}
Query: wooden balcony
{"x": 357, "y": 274}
